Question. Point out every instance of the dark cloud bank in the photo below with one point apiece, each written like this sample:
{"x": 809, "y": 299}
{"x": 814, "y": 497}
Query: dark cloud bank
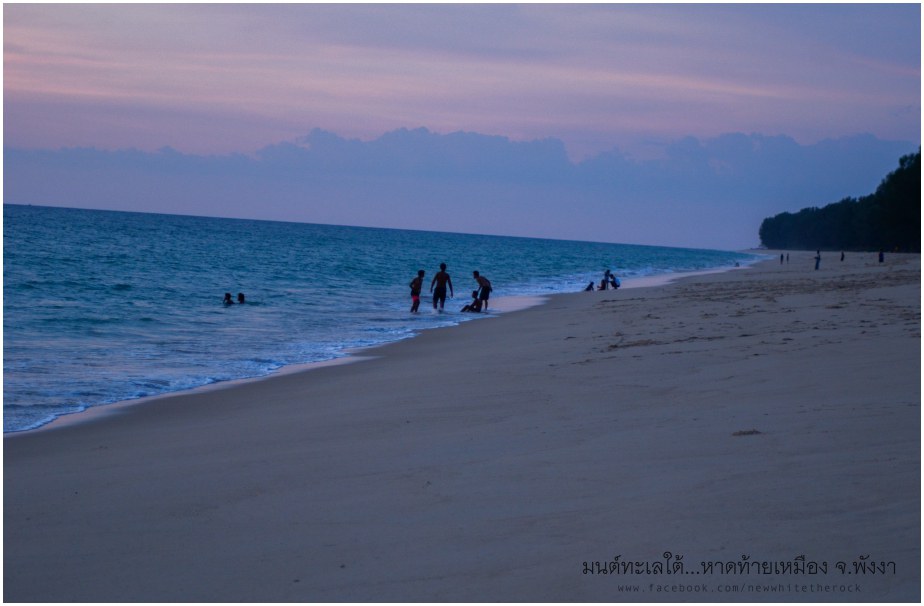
{"x": 709, "y": 193}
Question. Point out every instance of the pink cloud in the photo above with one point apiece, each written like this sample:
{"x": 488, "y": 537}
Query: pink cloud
{"x": 595, "y": 76}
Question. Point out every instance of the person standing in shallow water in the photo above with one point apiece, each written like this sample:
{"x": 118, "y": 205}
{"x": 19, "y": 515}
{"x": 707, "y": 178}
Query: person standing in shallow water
{"x": 416, "y": 286}
{"x": 441, "y": 280}
{"x": 484, "y": 289}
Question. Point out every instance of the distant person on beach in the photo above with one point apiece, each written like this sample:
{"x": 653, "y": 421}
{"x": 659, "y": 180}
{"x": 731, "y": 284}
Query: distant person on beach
{"x": 781, "y": 258}
{"x": 605, "y": 283}
{"x": 614, "y": 281}
{"x": 416, "y": 286}
{"x": 228, "y": 300}
{"x": 842, "y": 256}
{"x": 787, "y": 257}
{"x": 441, "y": 280}
{"x": 240, "y": 298}
{"x": 817, "y": 260}
{"x": 590, "y": 287}
{"x": 881, "y": 255}
{"x": 475, "y": 305}
{"x": 484, "y": 289}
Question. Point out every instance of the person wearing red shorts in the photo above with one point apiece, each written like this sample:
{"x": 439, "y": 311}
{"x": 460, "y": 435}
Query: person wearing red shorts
{"x": 416, "y": 286}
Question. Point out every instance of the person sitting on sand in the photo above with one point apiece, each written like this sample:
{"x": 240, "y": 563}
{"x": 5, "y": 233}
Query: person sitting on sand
{"x": 590, "y": 287}
{"x": 475, "y": 305}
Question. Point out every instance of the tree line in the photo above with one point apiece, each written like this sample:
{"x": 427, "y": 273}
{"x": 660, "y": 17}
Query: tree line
{"x": 889, "y": 219}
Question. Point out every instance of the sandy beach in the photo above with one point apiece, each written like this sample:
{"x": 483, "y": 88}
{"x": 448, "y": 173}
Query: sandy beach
{"x": 752, "y": 435}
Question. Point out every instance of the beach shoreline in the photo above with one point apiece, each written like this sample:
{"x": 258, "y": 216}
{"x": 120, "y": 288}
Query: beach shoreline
{"x": 503, "y": 305}
{"x": 770, "y": 412}
{"x": 95, "y": 333}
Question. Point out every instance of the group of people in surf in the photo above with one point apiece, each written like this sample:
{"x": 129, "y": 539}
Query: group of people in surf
{"x": 439, "y": 285}
{"x": 609, "y": 281}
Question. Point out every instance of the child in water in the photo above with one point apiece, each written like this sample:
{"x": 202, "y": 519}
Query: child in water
{"x": 416, "y": 286}
{"x": 475, "y": 305}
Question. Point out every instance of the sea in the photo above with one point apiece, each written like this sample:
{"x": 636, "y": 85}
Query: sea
{"x": 102, "y": 307}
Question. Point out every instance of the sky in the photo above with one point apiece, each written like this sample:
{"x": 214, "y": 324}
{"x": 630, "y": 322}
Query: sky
{"x": 633, "y": 91}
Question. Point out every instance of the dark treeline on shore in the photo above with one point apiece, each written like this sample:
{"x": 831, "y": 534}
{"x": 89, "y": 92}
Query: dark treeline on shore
{"x": 889, "y": 219}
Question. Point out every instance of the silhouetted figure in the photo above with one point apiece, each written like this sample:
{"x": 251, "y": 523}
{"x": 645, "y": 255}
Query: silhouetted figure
{"x": 817, "y": 260}
{"x": 484, "y": 289}
{"x": 416, "y": 286}
{"x": 228, "y": 300}
{"x": 881, "y": 255}
{"x": 441, "y": 280}
{"x": 475, "y": 305}
{"x": 590, "y": 287}
{"x": 240, "y": 298}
